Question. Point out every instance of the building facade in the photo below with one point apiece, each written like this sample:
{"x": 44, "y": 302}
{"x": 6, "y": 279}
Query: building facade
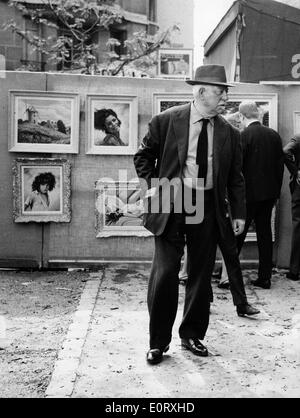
{"x": 139, "y": 15}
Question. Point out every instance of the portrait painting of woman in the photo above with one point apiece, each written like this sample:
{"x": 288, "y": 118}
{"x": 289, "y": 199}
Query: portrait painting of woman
{"x": 42, "y": 189}
{"x": 112, "y": 124}
{"x": 106, "y": 120}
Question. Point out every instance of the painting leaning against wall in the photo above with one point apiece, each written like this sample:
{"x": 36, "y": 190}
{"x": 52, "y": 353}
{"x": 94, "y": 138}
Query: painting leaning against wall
{"x": 119, "y": 209}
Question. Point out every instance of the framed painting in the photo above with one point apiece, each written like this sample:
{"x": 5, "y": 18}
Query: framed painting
{"x": 175, "y": 63}
{"x": 112, "y": 124}
{"x": 43, "y": 121}
{"x": 119, "y": 209}
{"x": 267, "y": 105}
{"x": 163, "y": 101}
{"x": 41, "y": 190}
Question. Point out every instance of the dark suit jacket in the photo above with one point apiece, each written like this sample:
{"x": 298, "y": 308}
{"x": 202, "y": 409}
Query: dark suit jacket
{"x": 292, "y": 158}
{"x": 163, "y": 153}
{"x": 263, "y": 162}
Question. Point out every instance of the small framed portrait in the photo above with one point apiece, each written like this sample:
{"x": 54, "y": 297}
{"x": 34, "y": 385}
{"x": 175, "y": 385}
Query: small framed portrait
{"x": 175, "y": 63}
{"x": 163, "y": 101}
{"x": 267, "y": 106}
{"x": 43, "y": 121}
{"x": 41, "y": 190}
{"x": 119, "y": 209}
{"x": 112, "y": 124}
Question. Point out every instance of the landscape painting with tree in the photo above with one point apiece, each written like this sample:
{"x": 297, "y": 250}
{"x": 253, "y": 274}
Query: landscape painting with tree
{"x": 44, "y": 122}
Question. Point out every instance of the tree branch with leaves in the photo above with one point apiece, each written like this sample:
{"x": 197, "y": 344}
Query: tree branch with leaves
{"x": 76, "y": 25}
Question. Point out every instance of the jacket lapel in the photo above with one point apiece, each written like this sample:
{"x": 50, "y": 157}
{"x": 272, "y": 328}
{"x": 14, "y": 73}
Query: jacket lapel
{"x": 220, "y": 137}
{"x": 181, "y": 125}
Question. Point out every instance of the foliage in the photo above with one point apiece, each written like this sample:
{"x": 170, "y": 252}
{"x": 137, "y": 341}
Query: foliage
{"x": 70, "y": 31}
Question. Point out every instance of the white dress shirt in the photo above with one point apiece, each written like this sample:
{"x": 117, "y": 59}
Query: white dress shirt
{"x": 191, "y": 168}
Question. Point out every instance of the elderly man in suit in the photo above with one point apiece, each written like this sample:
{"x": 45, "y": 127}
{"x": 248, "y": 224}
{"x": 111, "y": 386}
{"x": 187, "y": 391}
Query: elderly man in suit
{"x": 292, "y": 161}
{"x": 263, "y": 166}
{"x": 187, "y": 143}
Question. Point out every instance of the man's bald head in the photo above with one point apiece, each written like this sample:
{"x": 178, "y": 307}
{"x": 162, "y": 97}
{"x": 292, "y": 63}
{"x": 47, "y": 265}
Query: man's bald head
{"x": 249, "y": 110}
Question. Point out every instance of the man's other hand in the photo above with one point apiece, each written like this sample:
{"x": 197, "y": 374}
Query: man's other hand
{"x": 238, "y": 226}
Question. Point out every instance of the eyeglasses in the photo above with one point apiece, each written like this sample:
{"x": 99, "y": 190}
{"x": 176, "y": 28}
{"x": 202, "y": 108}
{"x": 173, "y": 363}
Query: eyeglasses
{"x": 220, "y": 91}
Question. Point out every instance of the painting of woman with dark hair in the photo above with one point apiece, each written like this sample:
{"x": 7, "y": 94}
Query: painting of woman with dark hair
{"x": 107, "y": 121}
{"x": 39, "y": 199}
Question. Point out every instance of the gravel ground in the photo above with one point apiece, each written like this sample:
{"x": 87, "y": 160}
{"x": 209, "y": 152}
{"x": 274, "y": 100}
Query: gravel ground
{"x": 249, "y": 357}
{"x": 35, "y": 312}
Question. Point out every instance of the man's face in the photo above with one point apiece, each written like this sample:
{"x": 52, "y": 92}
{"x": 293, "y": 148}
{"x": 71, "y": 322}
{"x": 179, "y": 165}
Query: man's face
{"x": 212, "y": 98}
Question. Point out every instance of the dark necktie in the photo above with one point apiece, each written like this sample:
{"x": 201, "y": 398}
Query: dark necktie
{"x": 202, "y": 151}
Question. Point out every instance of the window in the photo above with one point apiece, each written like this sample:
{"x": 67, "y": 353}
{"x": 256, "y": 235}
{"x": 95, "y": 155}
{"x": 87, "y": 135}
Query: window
{"x": 121, "y": 36}
{"x": 30, "y": 55}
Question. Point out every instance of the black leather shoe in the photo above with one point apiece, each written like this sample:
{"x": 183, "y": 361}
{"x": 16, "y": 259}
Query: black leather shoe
{"x": 264, "y": 284}
{"x": 195, "y": 346}
{"x": 246, "y": 309}
{"x": 155, "y": 355}
{"x": 292, "y": 276}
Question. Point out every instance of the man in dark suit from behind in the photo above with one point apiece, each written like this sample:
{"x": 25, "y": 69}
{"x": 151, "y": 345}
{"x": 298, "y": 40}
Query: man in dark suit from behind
{"x": 292, "y": 161}
{"x": 263, "y": 166}
{"x": 188, "y": 143}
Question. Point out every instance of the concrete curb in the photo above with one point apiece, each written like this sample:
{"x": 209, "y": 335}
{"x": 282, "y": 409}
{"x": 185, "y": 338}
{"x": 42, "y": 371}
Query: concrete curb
{"x": 64, "y": 375}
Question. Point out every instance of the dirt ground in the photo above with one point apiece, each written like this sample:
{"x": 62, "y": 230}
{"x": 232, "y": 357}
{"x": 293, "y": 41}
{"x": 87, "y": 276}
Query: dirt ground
{"x": 35, "y": 313}
{"x": 249, "y": 357}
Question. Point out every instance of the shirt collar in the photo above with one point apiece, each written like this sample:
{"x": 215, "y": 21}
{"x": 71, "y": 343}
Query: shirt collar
{"x": 196, "y": 115}
{"x": 248, "y": 122}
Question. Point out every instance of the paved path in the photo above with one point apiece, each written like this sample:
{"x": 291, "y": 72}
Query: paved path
{"x": 104, "y": 352}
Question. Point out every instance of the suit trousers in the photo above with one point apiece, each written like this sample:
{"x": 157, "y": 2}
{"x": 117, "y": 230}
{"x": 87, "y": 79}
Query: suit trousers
{"x": 163, "y": 288}
{"x": 228, "y": 246}
{"x": 261, "y": 213}
{"x": 295, "y": 250}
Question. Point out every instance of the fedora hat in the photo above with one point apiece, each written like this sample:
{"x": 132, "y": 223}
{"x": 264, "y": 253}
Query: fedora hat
{"x": 210, "y": 74}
